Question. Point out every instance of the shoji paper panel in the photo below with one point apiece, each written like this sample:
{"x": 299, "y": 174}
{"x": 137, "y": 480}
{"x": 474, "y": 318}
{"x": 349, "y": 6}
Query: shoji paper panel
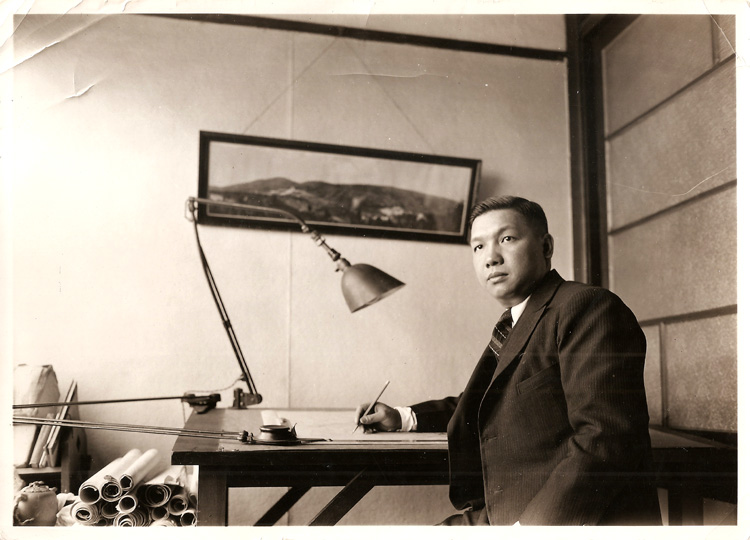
{"x": 683, "y": 148}
{"x": 653, "y": 58}
{"x": 681, "y": 262}
{"x": 701, "y": 365}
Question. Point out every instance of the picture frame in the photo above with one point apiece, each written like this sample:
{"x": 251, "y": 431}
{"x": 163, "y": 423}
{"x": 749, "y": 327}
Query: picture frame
{"x": 336, "y": 189}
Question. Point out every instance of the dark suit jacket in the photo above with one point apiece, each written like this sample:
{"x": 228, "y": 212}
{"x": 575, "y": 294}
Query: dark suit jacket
{"x": 556, "y": 431}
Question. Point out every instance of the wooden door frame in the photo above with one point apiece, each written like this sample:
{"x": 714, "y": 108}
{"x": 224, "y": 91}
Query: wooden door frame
{"x": 587, "y": 35}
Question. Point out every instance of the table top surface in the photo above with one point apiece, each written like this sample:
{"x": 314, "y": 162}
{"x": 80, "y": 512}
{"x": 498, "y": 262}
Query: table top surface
{"x": 335, "y": 426}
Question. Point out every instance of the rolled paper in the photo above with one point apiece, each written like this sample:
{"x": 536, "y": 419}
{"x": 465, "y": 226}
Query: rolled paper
{"x": 159, "y": 512}
{"x": 142, "y": 517}
{"x": 170, "y": 475}
{"x": 191, "y": 484}
{"x": 124, "y": 520}
{"x": 178, "y": 504}
{"x": 110, "y": 490}
{"x": 155, "y": 495}
{"x": 163, "y": 523}
{"x": 187, "y": 518}
{"x": 170, "y": 489}
{"x": 158, "y": 489}
{"x": 89, "y": 493}
{"x": 108, "y": 509}
{"x": 84, "y": 513}
{"x": 137, "y": 471}
{"x": 105, "y": 483}
{"x": 90, "y": 490}
{"x": 127, "y": 504}
{"x": 137, "y": 518}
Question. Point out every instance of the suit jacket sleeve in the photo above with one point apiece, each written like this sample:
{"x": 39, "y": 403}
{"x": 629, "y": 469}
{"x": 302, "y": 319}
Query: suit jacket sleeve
{"x": 434, "y": 415}
{"x": 601, "y": 352}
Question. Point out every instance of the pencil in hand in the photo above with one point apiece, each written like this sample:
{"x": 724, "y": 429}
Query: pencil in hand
{"x": 374, "y": 401}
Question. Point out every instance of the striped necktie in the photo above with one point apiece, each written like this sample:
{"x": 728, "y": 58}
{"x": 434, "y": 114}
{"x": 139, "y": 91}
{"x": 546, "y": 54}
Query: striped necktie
{"x": 500, "y": 333}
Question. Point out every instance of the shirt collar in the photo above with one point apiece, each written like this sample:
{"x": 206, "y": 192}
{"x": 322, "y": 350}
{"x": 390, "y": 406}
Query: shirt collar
{"x": 517, "y": 310}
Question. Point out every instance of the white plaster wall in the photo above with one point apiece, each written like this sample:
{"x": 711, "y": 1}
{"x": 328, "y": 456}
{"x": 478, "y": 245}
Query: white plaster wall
{"x": 106, "y": 284}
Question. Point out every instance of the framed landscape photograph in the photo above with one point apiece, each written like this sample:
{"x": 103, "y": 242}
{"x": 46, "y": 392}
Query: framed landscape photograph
{"x": 336, "y": 189}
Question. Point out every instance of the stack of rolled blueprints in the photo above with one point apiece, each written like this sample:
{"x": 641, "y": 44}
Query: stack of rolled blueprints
{"x": 127, "y": 493}
{"x": 171, "y": 497}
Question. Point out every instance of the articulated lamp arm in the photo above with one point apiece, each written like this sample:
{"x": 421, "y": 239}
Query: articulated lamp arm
{"x": 319, "y": 240}
{"x": 361, "y": 284}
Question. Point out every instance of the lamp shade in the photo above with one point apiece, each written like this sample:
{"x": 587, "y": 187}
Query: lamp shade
{"x": 363, "y": 285}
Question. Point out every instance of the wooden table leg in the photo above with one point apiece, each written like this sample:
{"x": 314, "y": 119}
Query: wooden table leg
{"x": 684, "y": 508}
{"x": 282, "y": 506}
{"x": 212, "y": 496}
{"x": 344, "y": 500}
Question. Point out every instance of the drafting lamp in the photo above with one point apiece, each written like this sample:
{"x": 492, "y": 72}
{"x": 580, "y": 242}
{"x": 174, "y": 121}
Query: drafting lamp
{"x": 361, "y": 284}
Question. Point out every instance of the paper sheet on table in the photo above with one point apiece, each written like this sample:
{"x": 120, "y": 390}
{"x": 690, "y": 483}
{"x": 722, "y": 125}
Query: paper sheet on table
{"x": 338, "y": 425}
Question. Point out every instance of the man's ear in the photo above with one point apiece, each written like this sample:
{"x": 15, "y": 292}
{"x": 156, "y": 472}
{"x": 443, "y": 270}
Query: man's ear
{"x": 548, "y": 246}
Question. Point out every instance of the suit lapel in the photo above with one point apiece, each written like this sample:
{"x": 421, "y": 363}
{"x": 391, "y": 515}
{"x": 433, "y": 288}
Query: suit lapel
{"x": 521, "y": 332}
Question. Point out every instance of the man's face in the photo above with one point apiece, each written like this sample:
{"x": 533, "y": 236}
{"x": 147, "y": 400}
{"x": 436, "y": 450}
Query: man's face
{"x": 509, "y": 255}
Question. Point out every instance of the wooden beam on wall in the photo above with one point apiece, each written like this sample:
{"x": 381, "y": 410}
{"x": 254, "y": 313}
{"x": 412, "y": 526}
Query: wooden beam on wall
{"x": 373, "y": 35}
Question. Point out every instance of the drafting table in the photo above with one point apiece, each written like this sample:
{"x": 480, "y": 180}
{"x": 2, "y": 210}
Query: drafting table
{"x": 689, "y": 467}
{"x": 357, "y": 462}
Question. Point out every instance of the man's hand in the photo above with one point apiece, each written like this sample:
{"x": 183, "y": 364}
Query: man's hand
{"x": 381, "y": 418}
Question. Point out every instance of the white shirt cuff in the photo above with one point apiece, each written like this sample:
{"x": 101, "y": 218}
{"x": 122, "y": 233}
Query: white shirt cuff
{"x": 408, "y": 419}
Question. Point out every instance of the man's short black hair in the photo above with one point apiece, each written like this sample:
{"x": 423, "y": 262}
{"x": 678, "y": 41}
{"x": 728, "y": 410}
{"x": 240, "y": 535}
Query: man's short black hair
{"x": 530, "y": 210}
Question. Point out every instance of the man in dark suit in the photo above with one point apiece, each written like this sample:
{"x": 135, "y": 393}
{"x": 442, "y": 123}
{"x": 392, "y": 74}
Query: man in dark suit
{"x": 552, "y": 427}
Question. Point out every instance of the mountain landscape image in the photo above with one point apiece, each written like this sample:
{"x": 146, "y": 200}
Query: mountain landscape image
{"x": 347, "y": 204}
